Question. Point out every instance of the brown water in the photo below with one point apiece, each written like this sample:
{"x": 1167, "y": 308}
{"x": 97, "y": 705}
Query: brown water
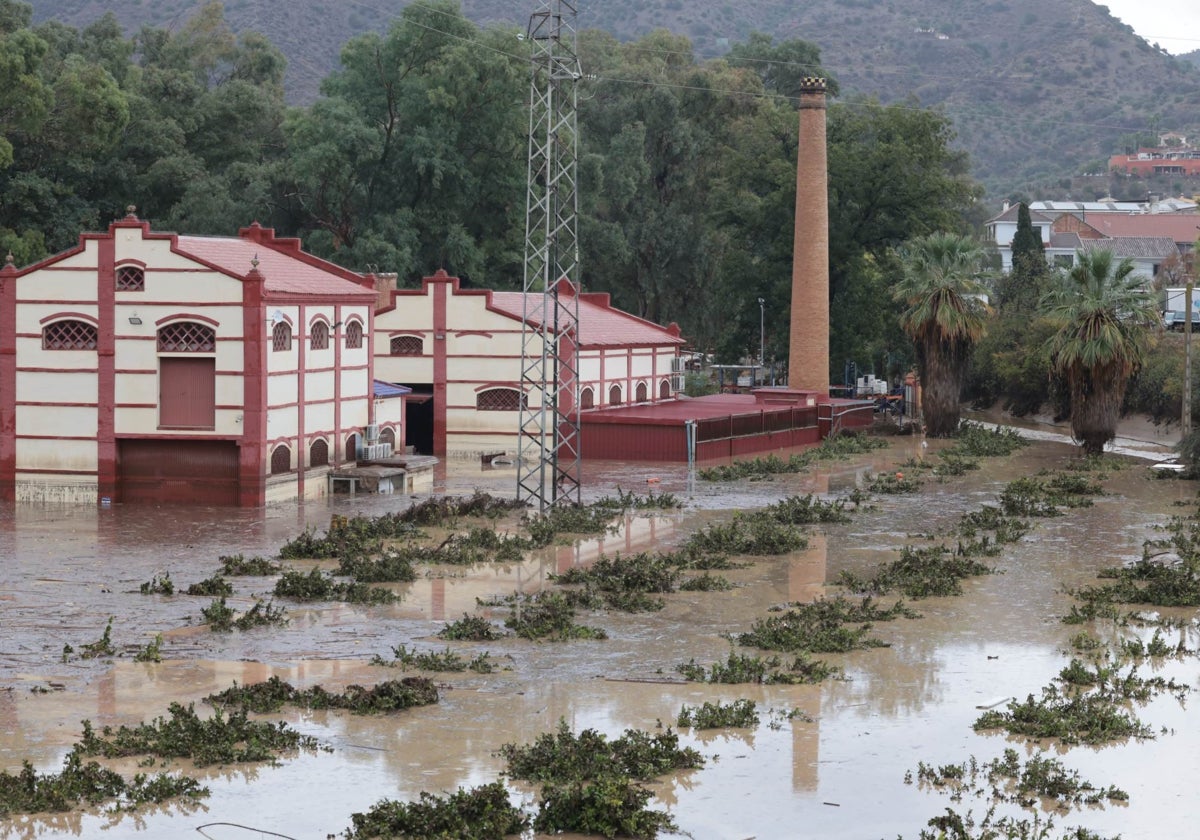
{"x": 66, "y": 570}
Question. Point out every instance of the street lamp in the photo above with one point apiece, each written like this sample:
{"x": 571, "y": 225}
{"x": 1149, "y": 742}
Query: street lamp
{"x": 762, "y": 318}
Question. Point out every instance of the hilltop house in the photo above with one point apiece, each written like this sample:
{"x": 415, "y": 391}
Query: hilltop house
{"x": 460, "y": 352}
{"x": 145, "y": 366}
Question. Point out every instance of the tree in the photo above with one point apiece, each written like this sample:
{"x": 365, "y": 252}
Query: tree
{"x": 1104, "y": 316}
{"x": 943, "y": 316}
{"x": 1023, "y": 286}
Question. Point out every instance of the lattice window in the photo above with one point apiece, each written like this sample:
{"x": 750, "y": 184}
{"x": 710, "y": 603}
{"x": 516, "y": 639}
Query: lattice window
{"x": 388, "y": 436}
{"x": 587, "y": 398}
{"x": 641, "y": 392}
{"x": 318, "y": 453}
{"x": 614, "y": 395}
{"x": 664, "y": 389}
{"x": 354, "y": 335}
{"x": 187, "y": 337}
{"x": 352, "y": 448}
{"x": 281, "y": 337}
{"x": 319, "y": 337}
{"x": 69, "y": 335}
{"x": 499, "y": 399}
{"x": 408, "y": 345}
{"x": 131, "y": 278}
{"x": 281, "y": 460}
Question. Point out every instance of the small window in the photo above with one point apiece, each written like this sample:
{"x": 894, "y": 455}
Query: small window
{"x": 281, "y": 337}
{"x": 614, "y": 395}
{"x": 353, "y": 335}
{"x": 408, "y": 345}
{"x": 499, "y": 399}
{"x": 388, "y": 436}
{"x": 587, "y": 398}
{"x": 69, "y": 335}
{"x": 187, "y": 337}
{"x": 318, "y": 453}
{"x": 352, "y": 448}
{"x": 319, "y": 337}
{"x": 131, "y": 278}
{"x": 664, "y": 389}
{"x": 641, "y": 392}
{"x": 281, "y": 460}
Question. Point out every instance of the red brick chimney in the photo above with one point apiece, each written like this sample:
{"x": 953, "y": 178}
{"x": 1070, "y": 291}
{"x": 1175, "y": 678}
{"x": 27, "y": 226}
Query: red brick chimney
{"x": 808, "y": 358}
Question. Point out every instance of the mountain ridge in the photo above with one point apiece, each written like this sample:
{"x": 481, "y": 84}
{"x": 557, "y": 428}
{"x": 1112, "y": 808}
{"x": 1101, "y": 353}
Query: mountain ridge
{"x": 1039, "y": 93}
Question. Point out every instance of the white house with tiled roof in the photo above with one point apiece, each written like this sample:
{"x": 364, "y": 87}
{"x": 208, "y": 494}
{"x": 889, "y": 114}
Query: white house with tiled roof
{"x": 153, "y": 367}
{"x": 460, "y": 352}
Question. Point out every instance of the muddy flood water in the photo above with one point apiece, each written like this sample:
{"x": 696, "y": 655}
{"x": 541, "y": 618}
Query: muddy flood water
{"x": 836, "y": 771}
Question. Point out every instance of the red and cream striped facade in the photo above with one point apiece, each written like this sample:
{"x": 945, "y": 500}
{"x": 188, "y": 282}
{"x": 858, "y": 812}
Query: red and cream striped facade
{"x": 157, "y": 367}
{"x": 464, "y": 345}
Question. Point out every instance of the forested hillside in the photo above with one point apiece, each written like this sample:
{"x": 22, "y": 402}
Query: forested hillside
{"x": 1037, "y": 91}
{"x": 414, "y": 160}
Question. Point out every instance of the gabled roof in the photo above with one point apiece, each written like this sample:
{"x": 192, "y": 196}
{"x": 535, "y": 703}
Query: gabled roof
{"x": 286, "y": 269}
{"x": 600, "y": 324}
{"x": 1180, "y": 228}
{"x": 1137, "y": 247}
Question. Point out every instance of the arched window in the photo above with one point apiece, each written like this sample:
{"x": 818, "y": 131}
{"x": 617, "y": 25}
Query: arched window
{"x": 408, "y": 345}
{"x": 614, "y": 395}
{"x": 587, "y": 398}
{"x": 641, "y": 392}
{"x": 499, "y": 399}
{"x": 281, "y": 460}
{"x": 319, "y": 336}
{"x": 353, "y": 335}
{"x": 664, "y": 389}
{"x": 352, "y": 448}
{"x": 281, "y": 337}
{"x": 318, "y": 453}
{"x": 187, "y": 337}
{"x": 131, "y": 278}
{"x": 69, "y": 335}
{"x": 388, "y": 436}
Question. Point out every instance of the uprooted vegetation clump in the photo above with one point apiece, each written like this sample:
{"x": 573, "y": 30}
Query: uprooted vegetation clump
{"x": 893, "y": 484}
{"x": 220, "y": 739}
{"x": 771, "y": 670}
{"x": 1072, "y": 717}
{"x": 925, "y": 572}
{"x": 973, "y": 440}
{"x": 740, "y": 713}
{"x": 1008, "y": 780}
{"x": 747, "y": 534}
{"x": 443, "y": 660}
{"x": 590, "y": 784}
{"x": 274, "y": 693}
{"x": 318, "y": 585}
{"x": 548, "y": 616}
{"x": 1049, "y": 495}
{"x": 158, "y": 585}
{"x": 237, "y": 565}
{"x": 81, "y": 784}
{"x": 222, "y": 618}
{"x": 822, "y": 626}
{"x": 215, "y": 587}
{"x": 835, "y": 447}
{"x": 471, "y": 628}
{"x": 481, "y": 813}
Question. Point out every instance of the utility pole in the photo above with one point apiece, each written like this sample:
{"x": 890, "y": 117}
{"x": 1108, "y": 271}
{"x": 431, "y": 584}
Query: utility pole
{"x": 762, "y": 352}
{"x": 548, "y": 463}
{"x": 1185, "y": 421}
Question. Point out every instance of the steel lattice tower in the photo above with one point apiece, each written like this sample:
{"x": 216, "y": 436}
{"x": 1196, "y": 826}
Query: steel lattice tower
{"x": 549, "y": 462}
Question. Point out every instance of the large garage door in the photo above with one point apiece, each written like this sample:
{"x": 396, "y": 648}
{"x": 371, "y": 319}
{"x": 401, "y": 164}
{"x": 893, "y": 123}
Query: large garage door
{"x": 198, "y": 472}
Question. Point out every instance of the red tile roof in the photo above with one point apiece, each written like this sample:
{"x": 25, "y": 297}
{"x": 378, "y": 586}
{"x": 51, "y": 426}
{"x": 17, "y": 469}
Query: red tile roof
{"x": 1181, "y": 227}
{"x": 283, "y": 273}
{"x": 600, "y": 324}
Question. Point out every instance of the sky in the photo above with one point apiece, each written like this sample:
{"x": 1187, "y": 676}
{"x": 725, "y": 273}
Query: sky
{"x": 1173, "y": 24}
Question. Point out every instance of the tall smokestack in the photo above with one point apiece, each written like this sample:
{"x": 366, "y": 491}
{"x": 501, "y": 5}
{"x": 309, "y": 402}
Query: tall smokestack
{"x": 808, "y": 359}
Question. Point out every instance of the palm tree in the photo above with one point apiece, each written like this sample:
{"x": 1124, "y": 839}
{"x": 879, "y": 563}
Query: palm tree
{"x": 1104, "y": 317}
{"x": 944, "y": 317}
